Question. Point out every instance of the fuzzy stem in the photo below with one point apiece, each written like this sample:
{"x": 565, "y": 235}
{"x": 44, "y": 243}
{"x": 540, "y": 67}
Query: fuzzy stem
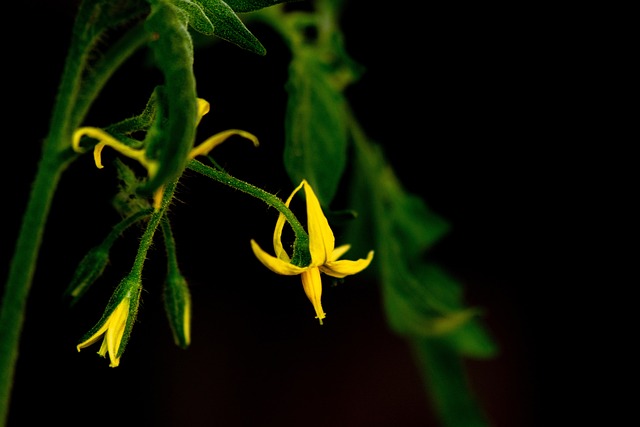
{"x": 170, "y": 247}
{"x": 302, "y": 238}
{"x": 71, "y": 105}
{"x": 147, "y": 238}
{"x": 23, "y": 263}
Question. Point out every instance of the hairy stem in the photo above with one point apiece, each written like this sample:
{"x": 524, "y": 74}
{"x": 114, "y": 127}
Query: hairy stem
{"x": 302, "y": 238}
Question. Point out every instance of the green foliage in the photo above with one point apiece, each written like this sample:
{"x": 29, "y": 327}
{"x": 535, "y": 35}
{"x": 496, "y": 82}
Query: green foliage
{"x": 218, "y": 17}
{"x": 447, "y": 383}
{"x": 128, "y": 201}
{"x": 251, "y": 5}
{"x": 175, "y": 126}
{"x": 228, "y": 26}
{"x": 420, "y": 300}
{"x": 97, "y": 16}
{"x": 316, "y": 134}
{"x": 195, "y": 16}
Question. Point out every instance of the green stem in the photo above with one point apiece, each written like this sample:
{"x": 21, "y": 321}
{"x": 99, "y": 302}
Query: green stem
{"x": 56, "y": 155}
{"x": 147, "y": 238}
{"x": 170, "y": 247}
{"x": 69, "y": 110}
{"x": 23, "y": 263}
{"x": 111, "y": 61}
{"x": 120, "y": 228}
{"x": 302, "y": 238}
{"x": 445, "y": 376}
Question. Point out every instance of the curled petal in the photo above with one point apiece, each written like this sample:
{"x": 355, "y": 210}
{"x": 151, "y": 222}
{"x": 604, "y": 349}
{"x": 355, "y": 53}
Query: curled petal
{"x": 203, "y": 108}
{"x": 97, "y": 155}
{"x": 277, "y": 232}
{"x": 275, "y": 264}
{"x": 105, "y": 139}
{"x": 342, "y": 268}
{"x": 217, "y": 139}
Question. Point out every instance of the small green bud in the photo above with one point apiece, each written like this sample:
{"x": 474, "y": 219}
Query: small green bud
{"x": 177, "y": 301}
{"x": 88, "y": 271}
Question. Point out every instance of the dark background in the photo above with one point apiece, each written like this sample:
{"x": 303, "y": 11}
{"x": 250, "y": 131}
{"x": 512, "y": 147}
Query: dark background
{"x": 458, "y": 98}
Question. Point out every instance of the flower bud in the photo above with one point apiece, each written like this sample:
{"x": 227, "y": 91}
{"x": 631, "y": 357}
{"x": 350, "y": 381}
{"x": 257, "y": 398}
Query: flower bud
{"x": 177, "y": 302}
{"x": 90, "y": 268}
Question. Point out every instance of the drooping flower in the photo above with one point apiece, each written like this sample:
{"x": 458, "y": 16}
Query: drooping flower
{"x": 324, "y": 255}
{"x": 117, "y": 321}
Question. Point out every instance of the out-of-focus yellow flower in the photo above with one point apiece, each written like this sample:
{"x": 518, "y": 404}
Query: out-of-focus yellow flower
{"x": 112, "y": 331}
{"x": 324, "y": 255}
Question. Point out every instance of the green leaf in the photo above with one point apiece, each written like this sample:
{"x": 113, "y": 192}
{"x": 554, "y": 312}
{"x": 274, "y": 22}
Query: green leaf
{"x": 96, "y": 16}
{"x": 251, "y": 5}
{"x": 422, "y": 302}
{"x": 173, "y": 132}
{"x": 195, "y": 16}
{"x": 315, "y": 128}
{"x": 420, "y": 299}
{"x": 448, "y": 385}
{"x": 412, "y": 221}
{"x": 228, "y": 26}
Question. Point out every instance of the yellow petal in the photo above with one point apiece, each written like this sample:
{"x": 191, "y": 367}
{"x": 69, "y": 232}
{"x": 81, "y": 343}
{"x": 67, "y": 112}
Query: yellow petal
{"x": 117, "y": 323}
{"x": 321, "y": 240}
{"x": 277, "y": 232}
{"x": 217, "y": 139}
{"x": 312, "y": 285}
{"x": 338, "y": 252}
{"x": 97, "y": 155}
{"x": 107, "y": 139}
{"x": 103, "y": 348}
{"x": 95, "y": 337}
{"x": 203, "y": 108}
{"x": 345, "y": 267}
{"x": 275, "y": 264}
{"x": 186, "y": 322}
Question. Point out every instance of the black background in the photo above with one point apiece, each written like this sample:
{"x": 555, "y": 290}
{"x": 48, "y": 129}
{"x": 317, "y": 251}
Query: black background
{"x": 458, "y": 97}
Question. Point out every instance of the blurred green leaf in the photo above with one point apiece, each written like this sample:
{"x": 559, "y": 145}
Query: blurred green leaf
{"x": 228, "y": 26}
{"x": 410, "y": 220}
{"x": 316, "y": 133}
{"x": 447, "y": 384}
{"x": 251, "y": 5}
{"x": 316, "y": 139}
{"x": 420, "y": 299}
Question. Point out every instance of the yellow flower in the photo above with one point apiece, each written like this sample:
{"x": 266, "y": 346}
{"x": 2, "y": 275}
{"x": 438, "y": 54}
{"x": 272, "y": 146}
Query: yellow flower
{"x": 324, "y": 256}
{"x": 113, "y": 329}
